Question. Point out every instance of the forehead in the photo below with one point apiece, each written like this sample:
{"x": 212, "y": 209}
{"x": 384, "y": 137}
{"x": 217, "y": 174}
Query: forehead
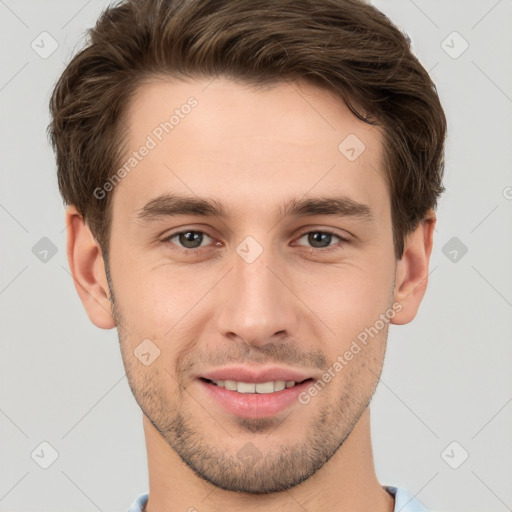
{"x": 247, "y": 147}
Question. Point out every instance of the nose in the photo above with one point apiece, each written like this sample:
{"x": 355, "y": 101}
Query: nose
{"x": 258, "y": 304}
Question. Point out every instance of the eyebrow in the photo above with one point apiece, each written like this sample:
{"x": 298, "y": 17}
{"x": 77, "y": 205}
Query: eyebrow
{"x": 170, "y": 205}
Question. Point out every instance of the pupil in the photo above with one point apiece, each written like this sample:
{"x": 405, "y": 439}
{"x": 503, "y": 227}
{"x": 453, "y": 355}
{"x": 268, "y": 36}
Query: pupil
{"x": 191, "y": 237}
{"x": 313, "y": 239}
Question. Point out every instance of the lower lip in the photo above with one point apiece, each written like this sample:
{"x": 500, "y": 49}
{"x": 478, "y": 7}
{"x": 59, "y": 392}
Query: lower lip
{"x": 254, "y": 405}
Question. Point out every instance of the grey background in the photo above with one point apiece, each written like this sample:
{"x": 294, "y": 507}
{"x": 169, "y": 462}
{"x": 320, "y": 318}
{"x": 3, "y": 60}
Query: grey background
{"x": 446, "y": 377}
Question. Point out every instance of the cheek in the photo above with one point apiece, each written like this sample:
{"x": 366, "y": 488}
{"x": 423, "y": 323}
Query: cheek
{"x": 151, "y": 294}
{"x": 349, "y": 296}
{"x": 166, "y": 306}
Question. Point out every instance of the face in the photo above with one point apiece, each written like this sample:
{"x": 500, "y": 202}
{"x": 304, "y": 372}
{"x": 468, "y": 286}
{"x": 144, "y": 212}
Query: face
{"x": 263, "y": 271}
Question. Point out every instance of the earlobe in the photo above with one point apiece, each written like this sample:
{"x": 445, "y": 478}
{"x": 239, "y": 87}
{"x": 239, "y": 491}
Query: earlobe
{"x": 88, "y": 270}
{"x": 412, "y": 270}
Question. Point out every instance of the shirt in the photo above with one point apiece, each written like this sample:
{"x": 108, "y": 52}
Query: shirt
{"x": 404, "y": 502}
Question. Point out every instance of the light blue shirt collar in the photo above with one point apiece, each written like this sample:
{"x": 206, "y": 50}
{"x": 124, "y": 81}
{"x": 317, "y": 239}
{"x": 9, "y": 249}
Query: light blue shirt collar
{"x": 404, "y": 501}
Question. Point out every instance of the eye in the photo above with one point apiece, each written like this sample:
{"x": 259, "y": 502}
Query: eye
{"x": 322, "y": 239}
{"x": 189, "y": 239}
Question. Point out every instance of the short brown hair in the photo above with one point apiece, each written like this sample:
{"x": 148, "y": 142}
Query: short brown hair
{"x": 346, "y": 46}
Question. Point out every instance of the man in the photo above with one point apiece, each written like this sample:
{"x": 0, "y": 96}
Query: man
{"x": 251, "y": 190}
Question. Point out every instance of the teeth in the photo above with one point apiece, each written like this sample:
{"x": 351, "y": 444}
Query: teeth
{"x": 230, "y": 384}
{"x": 245, "y": 387}
{"x": 265, "y": 387}
{"x": 250, "y": 387}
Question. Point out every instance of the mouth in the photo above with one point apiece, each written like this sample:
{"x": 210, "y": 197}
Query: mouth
{"x": 253, "y": 399}
{"x": 262, "y": 388}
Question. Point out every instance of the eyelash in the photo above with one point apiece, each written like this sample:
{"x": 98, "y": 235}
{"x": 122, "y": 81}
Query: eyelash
{"x": 327, "y": 249}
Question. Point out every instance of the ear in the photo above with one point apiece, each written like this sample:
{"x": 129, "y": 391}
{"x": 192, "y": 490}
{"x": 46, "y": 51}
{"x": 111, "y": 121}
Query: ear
{"x": 412, "y": 270}
{"x": 88, "y": 270}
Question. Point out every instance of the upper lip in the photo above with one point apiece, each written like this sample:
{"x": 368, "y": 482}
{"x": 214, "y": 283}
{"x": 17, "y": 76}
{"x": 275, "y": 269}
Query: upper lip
{"x": 255, "y": 375}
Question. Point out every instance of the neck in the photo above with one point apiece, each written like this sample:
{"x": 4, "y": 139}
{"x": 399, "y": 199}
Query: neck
{"x": 347, "y": 482}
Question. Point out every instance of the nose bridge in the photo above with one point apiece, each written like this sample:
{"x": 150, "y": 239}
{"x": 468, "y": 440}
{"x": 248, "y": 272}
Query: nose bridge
{"x": 257, "y": 304}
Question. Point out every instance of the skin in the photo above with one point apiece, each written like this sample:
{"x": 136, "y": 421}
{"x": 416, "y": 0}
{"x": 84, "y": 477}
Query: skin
{"x": 251, "y": 150}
